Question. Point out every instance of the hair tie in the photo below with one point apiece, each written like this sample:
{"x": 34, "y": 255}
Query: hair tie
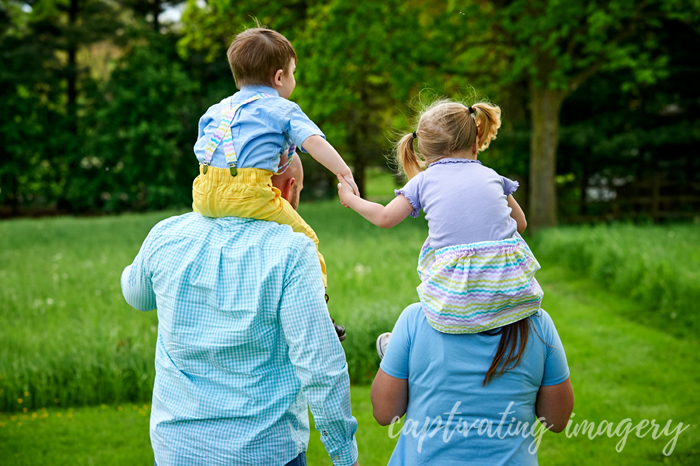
{"x": 471, "y": 109}
{"x": 414, "y": 135}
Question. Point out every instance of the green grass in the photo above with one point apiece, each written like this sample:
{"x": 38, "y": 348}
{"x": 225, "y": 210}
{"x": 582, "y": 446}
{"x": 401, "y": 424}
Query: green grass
{"x": 619, "y": 368}
{"x": 67, "y": 339}
{"x": 66, "y": 333}
{"x": 118, "y": 435}
{"x": 658, "y": 266}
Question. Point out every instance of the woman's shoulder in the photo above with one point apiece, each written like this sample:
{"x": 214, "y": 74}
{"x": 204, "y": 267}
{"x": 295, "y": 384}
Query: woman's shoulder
{"x": 544, "y": 326}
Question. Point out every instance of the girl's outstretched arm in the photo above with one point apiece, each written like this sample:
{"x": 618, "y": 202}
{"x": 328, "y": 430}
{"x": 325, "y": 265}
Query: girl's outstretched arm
{"x": 383, "y": 217}
{"x": 517, "y": 213}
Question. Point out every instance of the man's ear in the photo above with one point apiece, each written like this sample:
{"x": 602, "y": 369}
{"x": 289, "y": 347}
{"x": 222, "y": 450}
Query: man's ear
{"x": 286, "y": 190}
{"x": 277, "y": 79}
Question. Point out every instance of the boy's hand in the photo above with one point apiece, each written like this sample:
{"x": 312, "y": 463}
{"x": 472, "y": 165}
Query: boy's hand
{"x": 345, "y": 190}
{"x": 351, "y": 181}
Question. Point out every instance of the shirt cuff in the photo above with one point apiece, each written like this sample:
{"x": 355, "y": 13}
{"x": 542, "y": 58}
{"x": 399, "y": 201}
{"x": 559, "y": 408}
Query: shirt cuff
{"x": 555, "y": 381}
{"x": 414, "y": 212}
{"x": 392, "y": 372}
{"x": 345, "y": 455}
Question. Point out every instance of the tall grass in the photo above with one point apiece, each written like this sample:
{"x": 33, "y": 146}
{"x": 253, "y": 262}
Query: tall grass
{"x": 67, "y": 337}
{"x": 658, "y": 266}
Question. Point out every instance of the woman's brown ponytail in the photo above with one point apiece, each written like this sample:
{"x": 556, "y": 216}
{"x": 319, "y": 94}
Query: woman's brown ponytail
{"x": 510, "y": 349}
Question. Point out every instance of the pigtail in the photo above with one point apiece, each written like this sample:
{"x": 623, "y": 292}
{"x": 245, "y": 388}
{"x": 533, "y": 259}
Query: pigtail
{"x": 408, "y": 159}
{"x": 488, "y": 120}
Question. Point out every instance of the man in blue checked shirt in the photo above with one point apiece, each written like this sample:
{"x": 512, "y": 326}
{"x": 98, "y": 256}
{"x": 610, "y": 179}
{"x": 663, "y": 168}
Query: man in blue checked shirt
{"x": 245, "y": 342}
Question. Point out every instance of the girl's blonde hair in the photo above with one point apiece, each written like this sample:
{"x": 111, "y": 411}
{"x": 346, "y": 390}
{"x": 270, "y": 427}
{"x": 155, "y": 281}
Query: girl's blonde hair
{"x": 447, "y": 127}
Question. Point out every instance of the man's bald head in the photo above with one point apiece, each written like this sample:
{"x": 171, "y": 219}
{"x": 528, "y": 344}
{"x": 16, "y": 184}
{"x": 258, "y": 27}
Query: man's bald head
{"x": 291, "y": 182}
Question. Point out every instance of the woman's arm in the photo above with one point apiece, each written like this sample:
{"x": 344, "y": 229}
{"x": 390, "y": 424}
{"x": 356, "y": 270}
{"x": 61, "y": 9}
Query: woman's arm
{"x": 555, "y": 403}
{"x": 383, "y": 217}
{"x": 389, "y": 398}
{"x": 517, "y": 213}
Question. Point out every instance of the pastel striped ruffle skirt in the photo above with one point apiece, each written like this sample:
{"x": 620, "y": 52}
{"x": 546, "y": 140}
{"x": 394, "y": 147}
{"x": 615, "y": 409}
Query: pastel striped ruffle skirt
{"x": 475, "y": 287}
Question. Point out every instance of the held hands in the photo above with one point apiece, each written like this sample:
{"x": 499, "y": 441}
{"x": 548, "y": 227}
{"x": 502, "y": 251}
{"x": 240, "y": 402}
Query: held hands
{"x": 346, "y": 190}
{"x": 350, "y": 181}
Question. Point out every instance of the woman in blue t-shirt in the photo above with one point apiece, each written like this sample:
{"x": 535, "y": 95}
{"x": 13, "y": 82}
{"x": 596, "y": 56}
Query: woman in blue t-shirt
{"x": 472, "y": 398}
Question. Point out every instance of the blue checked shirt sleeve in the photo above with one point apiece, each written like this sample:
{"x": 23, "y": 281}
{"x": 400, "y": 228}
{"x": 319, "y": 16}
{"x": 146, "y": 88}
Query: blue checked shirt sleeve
{"x": 317, "y": 355}
{"x": 137, "y": 287}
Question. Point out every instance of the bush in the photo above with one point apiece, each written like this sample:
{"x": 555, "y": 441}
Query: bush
{"x": 658, "y": 266}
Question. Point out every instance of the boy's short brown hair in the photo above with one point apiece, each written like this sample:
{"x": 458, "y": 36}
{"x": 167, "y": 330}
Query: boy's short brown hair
{"x": 256, "y": 54}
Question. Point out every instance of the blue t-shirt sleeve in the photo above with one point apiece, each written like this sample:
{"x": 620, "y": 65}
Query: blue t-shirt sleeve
{"x": 556, "y": 369}
{"x": 395, "y": 362}
{"x": 509, "y": 186}
{"x": 411, "y": 191}
{"x": 298, "y": 127}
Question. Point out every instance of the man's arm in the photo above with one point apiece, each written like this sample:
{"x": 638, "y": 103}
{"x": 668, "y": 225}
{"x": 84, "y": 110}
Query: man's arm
{"x": 137, "y": 287}
{"x": 316, "y": 353}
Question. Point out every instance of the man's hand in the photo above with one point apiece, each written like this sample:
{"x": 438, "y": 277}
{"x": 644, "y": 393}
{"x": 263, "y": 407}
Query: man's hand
{"x": 345, "y": 190}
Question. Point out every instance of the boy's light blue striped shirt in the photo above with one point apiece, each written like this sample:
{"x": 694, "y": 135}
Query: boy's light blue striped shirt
{"x": 244, "y": 343}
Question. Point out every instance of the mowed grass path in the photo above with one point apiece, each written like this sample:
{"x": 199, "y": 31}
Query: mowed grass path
{"x": 620, "y": 369}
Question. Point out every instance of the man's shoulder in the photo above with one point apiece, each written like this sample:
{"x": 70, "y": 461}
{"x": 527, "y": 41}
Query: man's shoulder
{"x": 232, "y": 232}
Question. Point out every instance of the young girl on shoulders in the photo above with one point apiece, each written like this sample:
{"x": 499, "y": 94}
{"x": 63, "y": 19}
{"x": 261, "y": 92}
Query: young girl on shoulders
{"x": 477, "y": 273}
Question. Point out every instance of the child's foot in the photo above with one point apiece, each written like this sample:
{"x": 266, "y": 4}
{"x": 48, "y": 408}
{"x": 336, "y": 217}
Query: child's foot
{"x": 339, "y": 330}
{"x": 382, "y": 342}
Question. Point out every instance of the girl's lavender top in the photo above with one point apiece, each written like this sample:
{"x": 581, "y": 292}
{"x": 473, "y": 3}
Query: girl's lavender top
{"x": 464, "y": 202}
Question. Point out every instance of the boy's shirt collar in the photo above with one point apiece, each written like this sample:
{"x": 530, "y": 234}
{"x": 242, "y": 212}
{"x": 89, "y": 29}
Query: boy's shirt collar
{"x": 259, "y": 88}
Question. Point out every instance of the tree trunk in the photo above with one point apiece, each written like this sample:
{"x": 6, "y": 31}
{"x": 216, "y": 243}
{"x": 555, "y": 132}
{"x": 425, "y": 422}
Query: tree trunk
{"x": 358, "y": 172}
{"x": 546, "y": 107}
{"x": 72, "y": 70}
{"x": 157, "y": 10}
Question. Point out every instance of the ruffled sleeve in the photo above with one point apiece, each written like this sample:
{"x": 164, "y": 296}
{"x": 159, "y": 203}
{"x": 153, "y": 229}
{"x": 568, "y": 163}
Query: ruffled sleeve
{"x": 509, "y": 186}
{"x": 412, "y": 192}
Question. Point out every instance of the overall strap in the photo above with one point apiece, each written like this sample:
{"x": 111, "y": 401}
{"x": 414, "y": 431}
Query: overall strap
{"x": 223, "y": 132}
{"x": 290, "y": 156}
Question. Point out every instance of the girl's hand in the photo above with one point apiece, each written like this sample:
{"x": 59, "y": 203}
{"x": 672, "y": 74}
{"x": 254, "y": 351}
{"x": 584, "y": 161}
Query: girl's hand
{"x": 345, "y": 190}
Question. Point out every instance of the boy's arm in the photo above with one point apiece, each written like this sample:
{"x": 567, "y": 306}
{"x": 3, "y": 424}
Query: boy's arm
{"x": 381, "y": 216}
{"x": 325, "y": 154}
{"x": 517, "y": 213}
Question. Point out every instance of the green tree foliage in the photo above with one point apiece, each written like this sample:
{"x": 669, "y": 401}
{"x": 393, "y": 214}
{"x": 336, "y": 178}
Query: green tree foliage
{"x": 139, "y": 148}
{"x": 33, "y": 125}
{"x": 554, "y": 46}
{"x": 649, "y": 131}
{"x": 72, "y": 143}
{"x": 356, "y": 68}
{"x": 75, "y": 140}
